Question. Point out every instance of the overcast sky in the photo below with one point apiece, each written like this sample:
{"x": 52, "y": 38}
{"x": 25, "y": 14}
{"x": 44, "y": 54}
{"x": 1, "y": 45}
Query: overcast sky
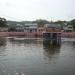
{"x": 37, "y": 9}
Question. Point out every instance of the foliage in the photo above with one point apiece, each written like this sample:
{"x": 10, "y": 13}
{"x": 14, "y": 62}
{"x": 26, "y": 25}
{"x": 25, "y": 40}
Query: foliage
{"x": 11, "y": 29}
{"x": 3, "y": 22}
{"x": 60, "y": 22}
{"x": 41, "y": 22}
{"x": 72, "y": 22}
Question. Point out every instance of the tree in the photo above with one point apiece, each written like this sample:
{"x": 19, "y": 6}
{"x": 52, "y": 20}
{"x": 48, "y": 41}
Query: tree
{"x": 62, "y": 23}
{"x": 3, "y": 22}
{"x": 72, "y": 22}
{"x": 11, "y": 29}
{"x": 41, "y": 22}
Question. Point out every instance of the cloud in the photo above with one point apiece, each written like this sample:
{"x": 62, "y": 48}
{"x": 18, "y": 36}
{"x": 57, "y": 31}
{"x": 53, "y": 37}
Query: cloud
{"x": 33, "y": 9}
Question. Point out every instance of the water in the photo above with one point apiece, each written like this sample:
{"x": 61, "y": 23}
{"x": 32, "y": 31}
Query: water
{"x": 36, "y": 57}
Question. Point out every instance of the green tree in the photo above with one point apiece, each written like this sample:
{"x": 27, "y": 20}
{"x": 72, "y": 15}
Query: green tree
{"x": 41, "y": 22}
{"x": 62, "y": 23}
{"x": 3, "y": 22}
{"x": 11, "y": 29}
{"x": 72, "y": 22}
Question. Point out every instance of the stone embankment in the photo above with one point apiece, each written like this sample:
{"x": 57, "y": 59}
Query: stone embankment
{"x": 8, "y": 34}
{"x": 68, "y": 34}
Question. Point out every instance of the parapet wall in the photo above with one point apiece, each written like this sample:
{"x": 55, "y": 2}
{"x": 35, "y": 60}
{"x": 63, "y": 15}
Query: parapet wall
{"x": 7, "y": 34}
{"x": 68, "y": 34}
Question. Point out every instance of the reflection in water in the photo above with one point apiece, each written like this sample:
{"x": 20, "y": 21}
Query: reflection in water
{"x": 51, "y": 48}
{"x": 21, "y": 56}
{"x": 2, "y": 41}
{"x": 36, "y": 57}
{"x": 73, "y": 44}
{"x": 21, "y": 41}
{"x": 2, "y": 46}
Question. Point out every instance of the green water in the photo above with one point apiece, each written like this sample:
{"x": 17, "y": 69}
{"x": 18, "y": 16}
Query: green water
{"x": 36, "y": 57}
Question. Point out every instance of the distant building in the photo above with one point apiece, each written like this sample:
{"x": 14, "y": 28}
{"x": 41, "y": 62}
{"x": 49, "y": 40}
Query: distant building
{"x": 40, "y": 29}
{"x": 68, "y": 28}
{"x": 3, "y": 29}
{"x": 30, "y": 27}
{"x": 53, "y": 27}
{"x": 33, "y": 27}
{"x": 52, "y": 31}
{"x": 19, "y": 28}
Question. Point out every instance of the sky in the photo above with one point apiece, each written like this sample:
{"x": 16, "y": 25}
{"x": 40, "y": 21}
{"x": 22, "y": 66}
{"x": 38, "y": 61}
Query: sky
{"x": 21, "y": 10}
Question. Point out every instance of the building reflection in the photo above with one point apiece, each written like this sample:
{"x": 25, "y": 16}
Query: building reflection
{"x": 51, "y": 48}
{"x": 23, "y": 41}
